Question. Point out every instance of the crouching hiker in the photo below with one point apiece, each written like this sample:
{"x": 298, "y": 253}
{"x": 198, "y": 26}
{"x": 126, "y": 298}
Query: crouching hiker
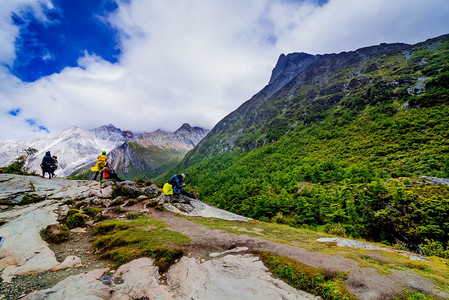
{"x": 109, "y": 173}
{"x": 176, "y": 182}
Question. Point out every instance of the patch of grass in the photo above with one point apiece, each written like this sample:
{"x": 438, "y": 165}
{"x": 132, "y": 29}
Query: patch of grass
{"x": 29, "y": 199}
{"x": 55, "y": 233}
{"x": 76, "y": 220}
{"x": 414, "y": 295}
{"x": 119, "y": 210}
{"x": 72, "y": 211}
{"x": 94, "y": 212}
{"x": 69, "y": 202}
{"x": 132, "y": 216}
{"x": 280, "y": 233}
{"x": 303, "y": 277}
{"x": 125, "y": 240}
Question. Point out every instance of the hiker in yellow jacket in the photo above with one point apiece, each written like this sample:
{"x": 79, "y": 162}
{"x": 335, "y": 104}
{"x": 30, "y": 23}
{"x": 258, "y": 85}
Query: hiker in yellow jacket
{"x": 99, "y": 167}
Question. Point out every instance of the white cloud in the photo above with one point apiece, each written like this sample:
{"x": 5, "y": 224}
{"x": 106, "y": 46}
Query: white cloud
{"x": 196, "y": 61}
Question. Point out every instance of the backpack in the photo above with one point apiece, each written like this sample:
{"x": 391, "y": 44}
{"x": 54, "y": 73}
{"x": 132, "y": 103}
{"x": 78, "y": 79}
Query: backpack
{"x": 168, "y": 189}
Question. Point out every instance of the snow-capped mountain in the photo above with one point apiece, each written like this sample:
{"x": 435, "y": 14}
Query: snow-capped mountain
{"x": 74, "y": 147}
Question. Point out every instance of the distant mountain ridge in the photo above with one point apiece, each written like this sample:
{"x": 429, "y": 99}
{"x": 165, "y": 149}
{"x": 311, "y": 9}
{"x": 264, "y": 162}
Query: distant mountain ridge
{"x": 77, "y": 149}
{"x": 146, "y": 153}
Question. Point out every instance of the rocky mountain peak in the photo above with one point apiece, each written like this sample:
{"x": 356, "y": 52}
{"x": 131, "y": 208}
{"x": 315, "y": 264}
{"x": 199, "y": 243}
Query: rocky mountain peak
{"x": 184, "y": 127}
{"x": 111, "y": 133}
{"x": 290, "y": 65}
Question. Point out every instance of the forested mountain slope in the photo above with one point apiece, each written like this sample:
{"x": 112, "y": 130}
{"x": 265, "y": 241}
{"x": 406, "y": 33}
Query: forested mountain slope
{"x": 339, "y": 140}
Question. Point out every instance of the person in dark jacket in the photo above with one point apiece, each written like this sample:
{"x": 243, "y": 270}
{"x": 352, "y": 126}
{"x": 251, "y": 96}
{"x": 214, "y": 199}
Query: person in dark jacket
{"x": 46, "y": 164}
{"x": 109, "y": 173}
{"x": 176, "y": 182}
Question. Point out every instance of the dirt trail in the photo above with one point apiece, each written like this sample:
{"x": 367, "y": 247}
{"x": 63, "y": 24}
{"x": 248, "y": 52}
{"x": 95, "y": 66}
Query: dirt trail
{"x": 364, "y": 283}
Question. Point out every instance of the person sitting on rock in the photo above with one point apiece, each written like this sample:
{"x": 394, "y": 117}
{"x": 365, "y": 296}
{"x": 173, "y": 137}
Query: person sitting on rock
{"x": 54, "y": 166}
{"x": 99, "y": 166}
{"x": 109, "y": 173}
{"x": 176, "y": 182}
{"x": 47, "y": 162}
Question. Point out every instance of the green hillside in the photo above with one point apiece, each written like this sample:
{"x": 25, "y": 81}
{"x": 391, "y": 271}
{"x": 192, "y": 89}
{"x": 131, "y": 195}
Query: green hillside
{"x": 341, "y": 149}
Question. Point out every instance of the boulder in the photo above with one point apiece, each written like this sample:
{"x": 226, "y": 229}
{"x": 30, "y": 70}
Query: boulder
{"x": 129, "y": 189}
{"x": 69, "y": 262}
{"x": 137, "y": 280}
{"x": 152, "y": 191}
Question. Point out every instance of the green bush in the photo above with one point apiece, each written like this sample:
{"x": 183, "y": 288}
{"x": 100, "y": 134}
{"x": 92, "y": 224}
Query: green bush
{"x": 55, "y": 233}
{"x": 336, "y": 229}
{"x": 72, "y": 211}
{"x": 132, "y": 216}
{"x": 76, "y": 220}
{"x": 29, "y": 199}
{"x": 434, "y": 248}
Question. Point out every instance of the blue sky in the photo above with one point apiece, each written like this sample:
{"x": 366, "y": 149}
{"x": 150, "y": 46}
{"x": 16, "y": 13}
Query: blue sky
{"x": 144, "y": 65}
{"x": 72, "y": 28}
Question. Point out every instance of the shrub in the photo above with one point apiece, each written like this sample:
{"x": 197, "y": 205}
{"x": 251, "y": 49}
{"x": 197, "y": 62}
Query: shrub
{"x": 72, "y": 211}
{"x": 336, "y": 229}
{"x": 76, "y": 220}
{"x": 434, "y": 248}
{"x": 132, "y": 216}
{"x": 55, "y": 233}
{"x": 92, "y": 211}
{"x": 69, "y": 202}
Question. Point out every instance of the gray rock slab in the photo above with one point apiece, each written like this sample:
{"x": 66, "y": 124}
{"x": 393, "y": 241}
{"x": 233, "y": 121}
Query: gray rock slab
{"x": 229, "y": 277}
{"x": 24, "y": 251}
{"x": 197, "y": 208}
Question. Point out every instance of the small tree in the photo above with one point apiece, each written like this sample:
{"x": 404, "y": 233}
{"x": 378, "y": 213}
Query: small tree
{"x": 17, "y": 166}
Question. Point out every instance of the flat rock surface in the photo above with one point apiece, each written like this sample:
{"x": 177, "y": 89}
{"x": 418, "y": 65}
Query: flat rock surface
{"x": 222, "y": 278}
